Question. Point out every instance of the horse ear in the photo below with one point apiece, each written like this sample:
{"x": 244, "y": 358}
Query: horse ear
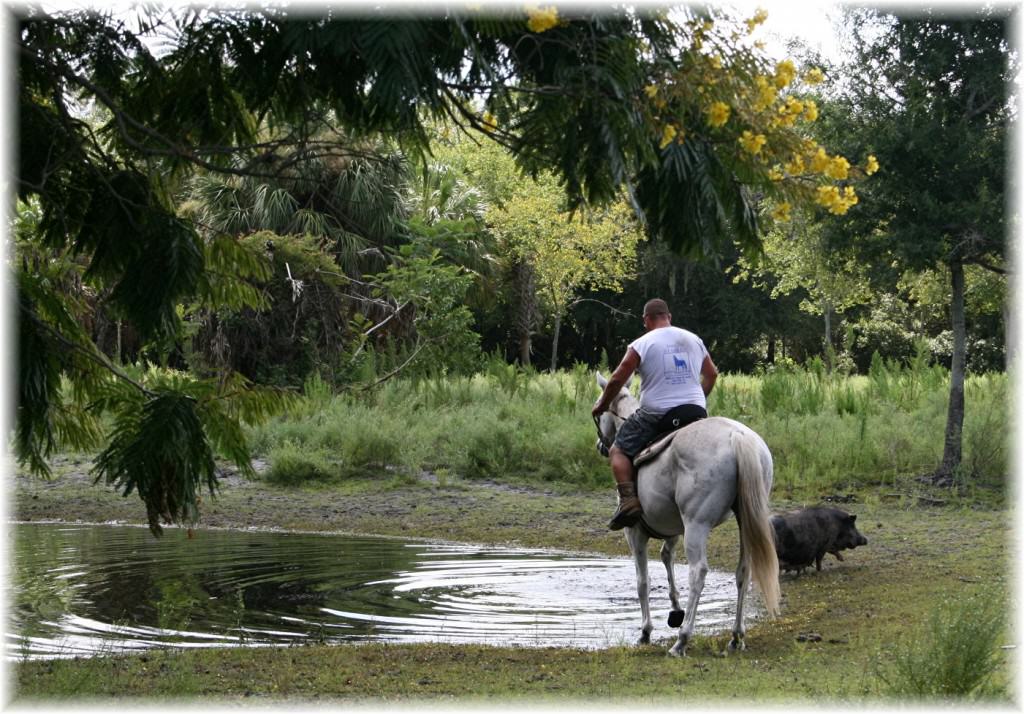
{"x": 601, "y": 381}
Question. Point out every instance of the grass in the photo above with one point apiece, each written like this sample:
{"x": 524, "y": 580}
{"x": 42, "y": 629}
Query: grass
{"x": 828, "y": 433}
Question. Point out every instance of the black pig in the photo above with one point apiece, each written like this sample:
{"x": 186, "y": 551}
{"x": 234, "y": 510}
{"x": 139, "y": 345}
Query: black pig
{"x": 805, "y": 536}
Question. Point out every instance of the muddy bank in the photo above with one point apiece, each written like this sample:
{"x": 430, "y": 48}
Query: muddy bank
{"x": 428, "y": 507}
{"x": 906, "y": 527}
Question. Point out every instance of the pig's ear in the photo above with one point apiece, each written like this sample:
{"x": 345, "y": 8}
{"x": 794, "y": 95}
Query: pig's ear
{"x": 853, "y": 517}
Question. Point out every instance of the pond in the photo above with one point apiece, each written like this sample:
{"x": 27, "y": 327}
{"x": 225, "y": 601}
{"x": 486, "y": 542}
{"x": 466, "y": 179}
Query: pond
{"x": 86, "y": 590}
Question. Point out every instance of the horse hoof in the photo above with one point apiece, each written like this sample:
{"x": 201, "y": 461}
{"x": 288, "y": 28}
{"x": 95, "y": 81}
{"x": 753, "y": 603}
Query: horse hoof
{"x": 676, "y": 617}
{"x": 737, "y": 645}
{"x": 677, "y": 651}
{"x": 645, "y": 638}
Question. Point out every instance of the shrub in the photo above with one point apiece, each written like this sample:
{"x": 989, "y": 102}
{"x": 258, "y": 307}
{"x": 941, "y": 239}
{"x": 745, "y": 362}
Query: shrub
{"x": 291, "y": 465}
{"x": 956, "y": 655}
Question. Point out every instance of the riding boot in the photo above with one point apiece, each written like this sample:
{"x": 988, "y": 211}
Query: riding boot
{"x": 629, "y": 510}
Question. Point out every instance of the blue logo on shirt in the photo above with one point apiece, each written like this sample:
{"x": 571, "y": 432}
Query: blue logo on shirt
{"x": 676, "y": 368}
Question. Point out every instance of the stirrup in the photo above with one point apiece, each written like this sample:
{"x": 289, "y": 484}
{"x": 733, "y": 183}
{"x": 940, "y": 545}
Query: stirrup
{"x": 623, "y": 518}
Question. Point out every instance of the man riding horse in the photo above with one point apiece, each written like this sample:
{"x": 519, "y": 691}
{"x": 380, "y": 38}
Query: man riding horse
{"x": 677, "y": 375}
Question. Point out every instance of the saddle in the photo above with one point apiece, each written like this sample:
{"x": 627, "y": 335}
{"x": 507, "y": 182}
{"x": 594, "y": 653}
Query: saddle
{"x": 674, "y": 421}
{"x": 655, "y": 448}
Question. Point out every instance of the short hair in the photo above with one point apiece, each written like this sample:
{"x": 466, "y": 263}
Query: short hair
{"x": 654, "y": 307}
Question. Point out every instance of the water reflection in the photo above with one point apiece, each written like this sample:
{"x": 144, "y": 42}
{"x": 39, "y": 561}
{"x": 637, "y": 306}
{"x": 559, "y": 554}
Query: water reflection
{"x": 87, "y": 590}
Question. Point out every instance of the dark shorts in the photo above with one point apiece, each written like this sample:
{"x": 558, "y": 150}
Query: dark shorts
{"x": 643, "y": 427}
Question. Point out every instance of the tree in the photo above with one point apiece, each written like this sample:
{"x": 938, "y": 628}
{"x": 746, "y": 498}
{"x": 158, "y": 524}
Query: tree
{"x": 797, "y": 257}
{"x": 929, "y": 95}
{"x": 565, "y": 253}
{"x": 676, "y": 113}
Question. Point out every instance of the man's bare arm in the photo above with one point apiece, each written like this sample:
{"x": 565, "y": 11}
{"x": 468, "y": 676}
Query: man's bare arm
{"x": 618, "y": 379}
{"x": 708, "y": 373}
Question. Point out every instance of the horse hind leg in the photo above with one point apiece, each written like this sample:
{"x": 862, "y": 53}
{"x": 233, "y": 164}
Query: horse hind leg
{"x": 675, "y": 617}
{"x": 742, "y": 585}
{"x": 695, "y": 542}
{"x": 637, "y": 540}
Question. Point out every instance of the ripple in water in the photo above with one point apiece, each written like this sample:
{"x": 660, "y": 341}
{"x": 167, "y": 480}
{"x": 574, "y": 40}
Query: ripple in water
{"x": 89, "y": 590}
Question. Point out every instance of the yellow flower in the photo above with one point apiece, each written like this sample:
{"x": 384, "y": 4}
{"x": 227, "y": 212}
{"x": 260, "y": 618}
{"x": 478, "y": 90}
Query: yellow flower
{"x": 838, "y": 168}
{"x": 820, "y": 161}
{"x": 667, "y": 135}
{"x": 785, "y": 71}
{"x": 775, "y": 173}
{"x": 718, "y": 114}
{"x": 795, "y": 167}
{"x": 541, "y": 18}
{"x": 759, "y": 17}
{"x": 837, "y": 203}
{"x": 872, "y": 165}
{"x": 766, "y": 93}
{"x": 651, "y": 90}
{"x": 785, "y": 119}
{"x": 752, "y": 143}
{"x": 810, "y": 110}
{"x": 814, "y": 76}
{"x": 490, "y": 122}
{"x": 794, "y": 106}
{"x": 828, "y": 196}
{"x": 781, "y": 212}
{"x": 715, "y": 61}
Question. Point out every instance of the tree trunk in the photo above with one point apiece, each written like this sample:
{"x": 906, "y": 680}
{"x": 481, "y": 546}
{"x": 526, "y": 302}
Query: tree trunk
{"x": 953, "y": 450}
{"x": 526, "y": 310}
{"x": 554, "y": 343}
{"x": 828, "y": 335}
{"x": 771, "y": 349}
{"x": 1009, "y": 335}
{"x": 525, "y": 348}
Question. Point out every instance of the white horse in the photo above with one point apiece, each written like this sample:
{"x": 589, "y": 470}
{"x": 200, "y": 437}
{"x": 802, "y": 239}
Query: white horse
{"x": 710, "y": 467}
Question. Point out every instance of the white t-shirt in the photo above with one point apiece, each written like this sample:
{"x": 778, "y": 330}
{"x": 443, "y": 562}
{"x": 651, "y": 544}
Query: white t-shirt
{"x": 670, "y": 362}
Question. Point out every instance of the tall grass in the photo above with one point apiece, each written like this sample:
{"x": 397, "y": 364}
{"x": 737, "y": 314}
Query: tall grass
{"x": 827, "y": 432}
{"x": 528, "y": 427}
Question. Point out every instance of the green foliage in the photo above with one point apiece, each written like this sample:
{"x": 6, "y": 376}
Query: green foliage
{"x": 509, "y": 378}
{"x": 955, "y": 656}
{"x": 928, "y": 93}
{"x": 349, "y": 197}
{"x": 160, "y": 449}
{"x": 166, "y": 433}
{"x": 292, "y": 465}
{"x": 434, "y": 294}
{"x": 296, "y": 326}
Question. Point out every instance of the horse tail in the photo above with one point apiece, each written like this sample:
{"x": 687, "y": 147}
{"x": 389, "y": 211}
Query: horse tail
{"x": 756, "y": 533}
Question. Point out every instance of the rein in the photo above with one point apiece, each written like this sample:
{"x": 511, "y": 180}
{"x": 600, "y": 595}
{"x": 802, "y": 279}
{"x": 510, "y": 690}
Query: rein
{"x": 605, "y": 444}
